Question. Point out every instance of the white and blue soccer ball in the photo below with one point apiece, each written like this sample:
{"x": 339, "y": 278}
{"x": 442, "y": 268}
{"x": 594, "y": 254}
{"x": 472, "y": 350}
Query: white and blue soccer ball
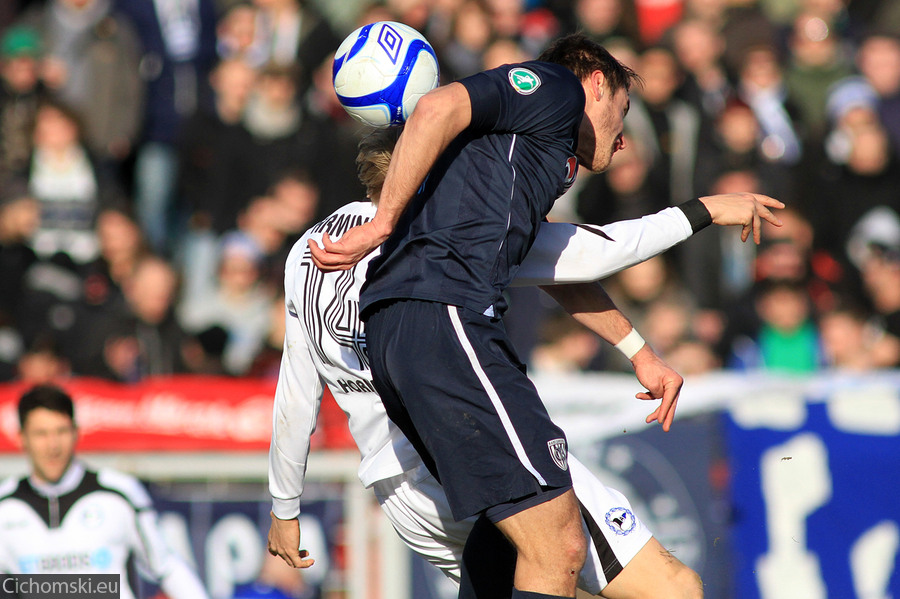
{"x": 381, "y": 70}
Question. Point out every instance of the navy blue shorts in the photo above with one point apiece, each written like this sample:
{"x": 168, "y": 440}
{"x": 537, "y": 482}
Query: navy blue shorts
{"x": 450, "y": 379}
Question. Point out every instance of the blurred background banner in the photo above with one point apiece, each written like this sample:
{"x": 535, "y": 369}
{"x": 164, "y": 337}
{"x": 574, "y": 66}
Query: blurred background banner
{"x": 182, "y": 413}
{"x": 814, "y": 500}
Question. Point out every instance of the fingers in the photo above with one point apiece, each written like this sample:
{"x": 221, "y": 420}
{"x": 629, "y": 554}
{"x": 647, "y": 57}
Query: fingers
{"x": 757, "y": 226}
{"x": 329, "y": 258}
{"x": 664, "y": 414}
{"x": 295, "y": 559}
{"x": 759, "y": 211}
{"x": 767, "y": 201}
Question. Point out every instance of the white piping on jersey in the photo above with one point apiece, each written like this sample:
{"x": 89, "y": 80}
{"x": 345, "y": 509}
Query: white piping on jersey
{"x": 492, "y": 394}
{"x": 512, "y": 146}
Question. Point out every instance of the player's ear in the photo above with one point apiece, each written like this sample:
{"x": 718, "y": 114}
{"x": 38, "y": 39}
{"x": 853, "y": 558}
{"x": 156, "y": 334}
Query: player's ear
{"x": 597, "y": 85}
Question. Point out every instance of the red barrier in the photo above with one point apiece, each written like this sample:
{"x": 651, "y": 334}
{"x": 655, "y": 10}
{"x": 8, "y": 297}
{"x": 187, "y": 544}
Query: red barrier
{"x": 186, "y": 413}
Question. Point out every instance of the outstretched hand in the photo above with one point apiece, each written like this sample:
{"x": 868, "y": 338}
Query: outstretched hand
{"x": 284, "y": 541}
{"x": 744, "y": 209}
{"x": 661, "y": 382}
{"x": 346, "y": 252}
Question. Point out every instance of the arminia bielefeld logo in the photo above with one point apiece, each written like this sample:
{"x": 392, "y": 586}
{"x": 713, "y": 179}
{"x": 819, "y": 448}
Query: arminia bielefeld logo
{"x": 524, "y": 81}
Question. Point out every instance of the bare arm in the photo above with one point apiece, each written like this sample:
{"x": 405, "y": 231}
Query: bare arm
{"x": 439, "y": 117}
{"x": 589, "y": 304}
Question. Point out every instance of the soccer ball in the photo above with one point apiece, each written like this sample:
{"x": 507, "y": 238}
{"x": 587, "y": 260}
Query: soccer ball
{"x": 381, "y": 70}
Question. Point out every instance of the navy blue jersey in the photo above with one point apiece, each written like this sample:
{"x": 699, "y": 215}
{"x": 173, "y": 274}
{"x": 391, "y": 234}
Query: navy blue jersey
{"x": 462, "y": 238}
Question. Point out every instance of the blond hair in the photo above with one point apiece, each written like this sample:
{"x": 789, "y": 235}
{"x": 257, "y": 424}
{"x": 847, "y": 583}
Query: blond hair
{"x": 374, "y": 157}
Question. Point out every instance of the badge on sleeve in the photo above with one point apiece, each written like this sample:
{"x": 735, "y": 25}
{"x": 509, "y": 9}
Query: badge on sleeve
{"x": 524, "y": 81}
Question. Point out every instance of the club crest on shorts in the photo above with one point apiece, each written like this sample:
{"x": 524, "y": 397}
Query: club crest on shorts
{"x": 620, "y": 520}
{"x": 558, "y": 453}
{"x": 524, "y": 81}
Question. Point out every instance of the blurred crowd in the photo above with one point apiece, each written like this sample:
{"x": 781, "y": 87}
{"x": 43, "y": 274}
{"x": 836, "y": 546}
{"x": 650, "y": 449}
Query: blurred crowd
{"x": 158, "y": 158}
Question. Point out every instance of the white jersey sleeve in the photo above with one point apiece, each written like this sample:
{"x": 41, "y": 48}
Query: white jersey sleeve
{"x": 297, "y": 400}
{"x": 566, "y": 253}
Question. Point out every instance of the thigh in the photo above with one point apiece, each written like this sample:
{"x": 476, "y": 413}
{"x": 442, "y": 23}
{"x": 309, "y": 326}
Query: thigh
{"x": 614, "y": 532}
{"x": 654, "y": 572}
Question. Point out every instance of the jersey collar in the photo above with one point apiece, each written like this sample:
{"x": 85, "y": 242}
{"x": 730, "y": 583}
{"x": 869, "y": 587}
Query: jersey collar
{"x": 68, "y": 483}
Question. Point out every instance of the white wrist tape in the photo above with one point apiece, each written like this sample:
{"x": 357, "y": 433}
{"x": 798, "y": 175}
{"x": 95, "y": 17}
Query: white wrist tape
{"x": 630, "y": 344}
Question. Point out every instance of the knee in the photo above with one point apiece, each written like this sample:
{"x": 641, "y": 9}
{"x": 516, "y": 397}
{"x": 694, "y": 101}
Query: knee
{"x": 565, "y": 547}
{"x": 574, "y": 548}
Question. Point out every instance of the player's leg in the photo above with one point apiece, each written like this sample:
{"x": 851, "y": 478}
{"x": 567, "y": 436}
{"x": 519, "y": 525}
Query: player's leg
{"x": 488, "y": 564}
{"x": 624, "y": 560}
{"x": 550, "y": 546}
{"x": 452, "y": 375}
{"x": 656, "y": 573}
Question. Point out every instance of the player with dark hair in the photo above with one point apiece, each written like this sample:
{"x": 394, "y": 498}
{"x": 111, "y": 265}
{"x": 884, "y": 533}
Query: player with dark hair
{"x": 66, "y": 518}
{"x": 476, "y": 170}
{"x": 325, "y": 345}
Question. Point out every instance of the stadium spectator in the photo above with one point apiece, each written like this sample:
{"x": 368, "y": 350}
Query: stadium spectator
{"x": 874, "y": 248}
{"x": 19, "y": 218}
{"x": 333, "y": 169}
{"x": 849, "y": 339}
{"x": 145, "y": 339}
{"x": 817, "y": 59}
{"x": 699, "y": 48}
{"x": 122, "y": 247}
{"x": 92, "y": 57}
{"x": 673, "y": 131}
{"x": 472, "y": 32}
{"x": 293, "y": 32}
{"x": 788, "y": 340}
{"x": 878, "y": 59}
{"x": 213, "y": 177}
{"x": 179, "y": 48}
{"x": 234, "y": 298}
{"x": 42, "y": 363}
{"x": 565, "y": 347}
{"x": 65, "y": 179}
{"x": 268, "y": 359}
{"x": 20, "y": 93}
{"x": 761, "y": 86}
{"x": 743, "y": 24}
{"x": 282, "y": 136}
{"x": 532, "y": 25}
{"x": 503, "y": 51}
{"x": 604, "y": 20}
{"x": 861, "y": 164}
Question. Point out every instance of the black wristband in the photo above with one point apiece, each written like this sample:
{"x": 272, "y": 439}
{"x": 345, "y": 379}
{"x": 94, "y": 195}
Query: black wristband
{"x": 697, "y": 214}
